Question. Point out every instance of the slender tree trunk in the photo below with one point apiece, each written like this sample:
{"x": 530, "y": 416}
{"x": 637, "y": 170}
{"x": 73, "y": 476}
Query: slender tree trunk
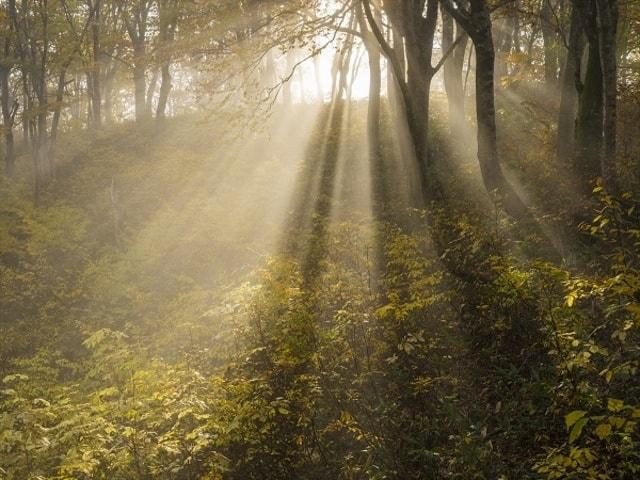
{"x": 56, "y": 113}
{"x": 165, "y": 89}
{"x": 8, "y": 115}
{"x": 569, "y": 92}
{"x": 505, "y": 36}
{"x": 140, "y": 81}
{"x": 420, "y": 33}
{"x": 453, "y": 72}
{"x": 549, "y": 39}
{"x": 108, "y": 93}
{"x": 96, "y": 93}
{"x": 590, "y": 117}
{"x": 477, "y": 23}
{"x": 607, "y": 35}
{"x": 286, "y": 88}
{"x": 26, "y": 111}
{"x": 318, "y": 76}
{"x": 373, "y": 113}
{"x": 485, "y": 111}
{"x": 168, "y": 24}
{"x": 151, "y": 90}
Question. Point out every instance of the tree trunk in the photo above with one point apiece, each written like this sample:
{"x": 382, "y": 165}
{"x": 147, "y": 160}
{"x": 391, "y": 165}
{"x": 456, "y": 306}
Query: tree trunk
{"x": 453, "y": 72}
{"x": 505, "y": 40}
{"x": 420, "y": 33}
{"x": 373, "y": 113}
{"x": 96, "y": 99}
{"x": 140, "y": 81}
{"x": 165, "y": 89}
{"x": 151, "y": 90}
{"x": 549, "y": 39}
{"x": 108, "y": 93}
{"x": 485, "y": 111}
{"x": 56, "y": 113}
{"x": 318, "y": 76}
{"x": 607, "y": 25}
{"x": 8, "y": 114}
{"x": 590, "y": 117}
{"x": 569, "y": 92}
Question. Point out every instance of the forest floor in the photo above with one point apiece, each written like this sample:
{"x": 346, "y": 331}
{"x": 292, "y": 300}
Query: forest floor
{"x": 334, "y": 344}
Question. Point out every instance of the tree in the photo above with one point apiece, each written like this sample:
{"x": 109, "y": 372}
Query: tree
{"x": 453, "y": 67}
{"x": 569, "y": 88}
{"x": 168, "y": 11}
{"x": 418, "y": 30}
{"x": 477, "y": 23}
{"x": 9, "y": 106}
{"x": 597, "y": 111}
{"x": 135, "y": 16}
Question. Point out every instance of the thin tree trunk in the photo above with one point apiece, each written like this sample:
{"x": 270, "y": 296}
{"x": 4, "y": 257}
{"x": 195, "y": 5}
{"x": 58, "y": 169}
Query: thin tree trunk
{"x": 590, "y": 117}
{"x": 96, "y": 93}
{"x": 56, "y": 114}
{"x": 453, "y": 72}
{"x": 318, "y": 76}
{"x": 108, "y": 94}
{"x": 569, "y": 92}
{"x": 549, "y": 39}
{"x": 607, "y": 25}
{"x": 8, "y": 114}
{"x": 151, "y": 90}
{"x": 485, "y": 111}
{"x": 140, "y": 81}
{"x": 165, "y": 89}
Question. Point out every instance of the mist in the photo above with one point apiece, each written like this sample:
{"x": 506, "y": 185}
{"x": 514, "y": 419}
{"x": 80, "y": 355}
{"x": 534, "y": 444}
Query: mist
{"x": 319, "y": 239}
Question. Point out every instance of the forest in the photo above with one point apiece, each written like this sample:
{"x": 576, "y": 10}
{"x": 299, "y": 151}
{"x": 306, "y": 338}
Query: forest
{"x": 319, "y": 239}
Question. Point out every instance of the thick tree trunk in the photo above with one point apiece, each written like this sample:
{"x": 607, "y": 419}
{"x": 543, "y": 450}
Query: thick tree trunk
{"x": 569, "y": 92}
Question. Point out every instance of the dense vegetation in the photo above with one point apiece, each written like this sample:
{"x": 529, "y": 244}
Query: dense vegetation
{"x": 320, "y": 239}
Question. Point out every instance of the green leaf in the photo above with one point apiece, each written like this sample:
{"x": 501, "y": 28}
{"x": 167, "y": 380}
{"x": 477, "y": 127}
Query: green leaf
{"x": 573, "y": 417}
{"x": 576, "y": 431}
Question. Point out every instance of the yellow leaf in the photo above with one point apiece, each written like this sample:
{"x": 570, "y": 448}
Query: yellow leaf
{"x": 603, "y": 431}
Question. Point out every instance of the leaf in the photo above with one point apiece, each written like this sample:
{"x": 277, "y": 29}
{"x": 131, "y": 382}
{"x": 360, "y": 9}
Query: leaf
{"x": 603, "y": 431}
{"x": 576, "y": 431}
{"x": 615, "y": 405}
{"x": 14, "y": 377}
{"x": 573, "y": 417}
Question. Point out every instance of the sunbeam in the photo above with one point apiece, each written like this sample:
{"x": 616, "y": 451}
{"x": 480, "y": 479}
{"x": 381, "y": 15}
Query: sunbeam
{"x": 319, "y": 239}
